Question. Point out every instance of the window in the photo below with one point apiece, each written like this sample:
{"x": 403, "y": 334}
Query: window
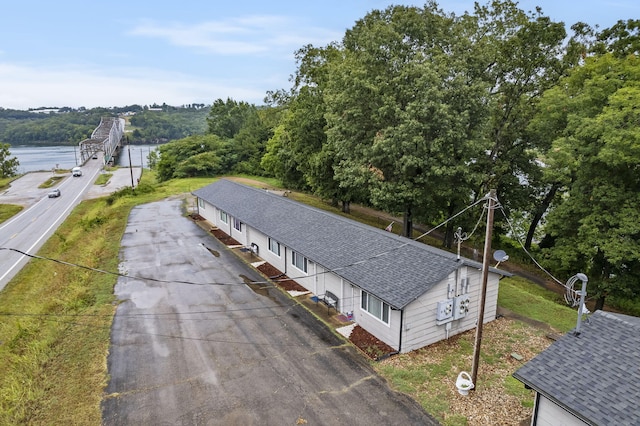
{"x": 223, "y": 217}
{"x": 237, "y": 224}
{"x": 299, "y": 261}
{"x": 201, "y": 203}
{"x": 274, "y": 246}
{"x": 375, "y": 307}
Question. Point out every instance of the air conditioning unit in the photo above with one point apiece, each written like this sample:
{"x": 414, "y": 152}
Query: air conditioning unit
{"x": 460, "y": 306}
{"x": 444, "y": 310}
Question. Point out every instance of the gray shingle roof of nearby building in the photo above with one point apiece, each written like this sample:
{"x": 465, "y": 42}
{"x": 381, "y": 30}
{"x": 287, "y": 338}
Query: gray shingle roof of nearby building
{"x": 595, "y": 375}
{"x": 395, "y": 269}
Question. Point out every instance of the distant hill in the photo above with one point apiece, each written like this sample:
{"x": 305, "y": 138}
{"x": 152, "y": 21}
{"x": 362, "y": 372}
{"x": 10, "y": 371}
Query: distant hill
{"x": 67, "y": 126}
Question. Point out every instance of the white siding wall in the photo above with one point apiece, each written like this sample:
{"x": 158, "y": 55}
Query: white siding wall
{"x": 420, "y": 328}
{"x": 240, "y": 236}
{"x": 267, "y": 255}
{"x": 305, "y": 279}
{"x": 550, "y": 414}
{"x": 212, "y": 215}
{"x": 388, "y": 333}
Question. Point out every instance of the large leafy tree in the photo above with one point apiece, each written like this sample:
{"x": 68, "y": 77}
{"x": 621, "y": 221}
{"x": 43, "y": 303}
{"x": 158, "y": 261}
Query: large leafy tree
{"x": 519, "y": 55}
{"x": 404, "y": 113}
{"x": 298, "y": 153}
{"x": 596, "y": 229}
{"x": 199, "y": 155}
{"x": 242, "y": 126}
{"x": 8, "y": 165}
{"x": 226, "y": 118}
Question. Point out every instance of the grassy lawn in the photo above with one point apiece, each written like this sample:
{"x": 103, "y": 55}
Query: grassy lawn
{"x": 9, "y": 210}
{"x": 429, "y": 374}
{"x": 56, "y": 320}
{"x": 60, "y": 174}
{"x": 4, "y": 182}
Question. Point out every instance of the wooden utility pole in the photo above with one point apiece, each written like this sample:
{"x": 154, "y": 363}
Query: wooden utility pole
{"x": 130, "y": 169}
{"x": 483, "y": 294}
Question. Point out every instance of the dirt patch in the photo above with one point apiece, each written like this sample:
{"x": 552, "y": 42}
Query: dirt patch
{"x": 279, "y": 278}
{"x": 371, "y": 346}
{"x": 224, "y": 238}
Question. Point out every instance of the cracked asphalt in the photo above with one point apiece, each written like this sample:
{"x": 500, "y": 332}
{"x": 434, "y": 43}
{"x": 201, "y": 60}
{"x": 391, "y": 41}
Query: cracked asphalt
{"x": 198, "y": 339}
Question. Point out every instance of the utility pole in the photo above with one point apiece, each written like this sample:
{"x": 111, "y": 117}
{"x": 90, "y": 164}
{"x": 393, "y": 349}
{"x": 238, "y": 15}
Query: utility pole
{"x": 483, "y": 294}
{"x": 130, "y": 169}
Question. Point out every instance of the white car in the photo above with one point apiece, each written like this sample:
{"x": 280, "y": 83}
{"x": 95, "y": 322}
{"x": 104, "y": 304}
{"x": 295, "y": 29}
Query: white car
{"x": 54, "y": 193}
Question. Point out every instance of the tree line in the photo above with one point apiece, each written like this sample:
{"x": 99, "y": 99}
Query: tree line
{"x": 67, "y": 126}
{"x": 420, "y": 112}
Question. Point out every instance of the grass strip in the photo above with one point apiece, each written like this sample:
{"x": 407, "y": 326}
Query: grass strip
{"x": 56, "y": 319}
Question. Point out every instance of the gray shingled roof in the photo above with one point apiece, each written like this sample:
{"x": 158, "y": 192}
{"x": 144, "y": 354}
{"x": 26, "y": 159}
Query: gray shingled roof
{"x": 395, "y": 269}
{"x": 595, "y": 375}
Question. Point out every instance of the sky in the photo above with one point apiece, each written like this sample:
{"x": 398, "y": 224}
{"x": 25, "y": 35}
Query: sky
{"x": 69, "y": 53}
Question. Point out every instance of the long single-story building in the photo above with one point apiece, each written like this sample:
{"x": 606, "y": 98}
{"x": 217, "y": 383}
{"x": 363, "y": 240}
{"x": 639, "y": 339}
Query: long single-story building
{"x": 405, "y": 293}
{"x": 590, "y": 378}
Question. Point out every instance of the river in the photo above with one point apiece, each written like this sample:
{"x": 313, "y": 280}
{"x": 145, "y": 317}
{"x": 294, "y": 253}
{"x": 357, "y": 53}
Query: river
{"x": 44, "y": 158}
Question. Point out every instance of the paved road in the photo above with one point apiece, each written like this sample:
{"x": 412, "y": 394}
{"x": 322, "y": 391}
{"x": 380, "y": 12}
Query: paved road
{"x": 28, "y": 230}
{"x": 225, "y": 351}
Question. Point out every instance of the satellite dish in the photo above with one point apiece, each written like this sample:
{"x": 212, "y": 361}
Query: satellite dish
{"x": 500, "y": 256}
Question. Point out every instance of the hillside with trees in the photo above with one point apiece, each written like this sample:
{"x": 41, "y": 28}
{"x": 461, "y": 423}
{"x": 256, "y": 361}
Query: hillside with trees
{"x": 67, "y": 126}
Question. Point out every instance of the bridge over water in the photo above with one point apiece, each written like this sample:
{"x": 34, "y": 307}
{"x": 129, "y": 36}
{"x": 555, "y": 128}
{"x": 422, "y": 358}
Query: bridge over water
{"x": 106, "y": 137}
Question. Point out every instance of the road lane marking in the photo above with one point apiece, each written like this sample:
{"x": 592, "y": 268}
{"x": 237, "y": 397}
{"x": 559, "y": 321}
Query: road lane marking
{"x": 54, "y": 224}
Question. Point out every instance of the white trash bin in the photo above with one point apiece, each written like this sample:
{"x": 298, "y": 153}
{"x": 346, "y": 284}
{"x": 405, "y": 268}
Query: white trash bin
{"x": 464, "y": 383}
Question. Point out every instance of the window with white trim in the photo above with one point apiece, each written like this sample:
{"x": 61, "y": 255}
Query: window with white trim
{"x": 274, "y": 246}
{"x": 201, "y": 204}
{"x": 375, "y": 307}
{"x": 299, "y": 261}
{"x": 237, "y": 224}
{"x": 223, "y": 217}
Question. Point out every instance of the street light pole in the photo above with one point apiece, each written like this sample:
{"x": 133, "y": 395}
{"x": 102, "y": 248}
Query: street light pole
{"x": 483, "y": 294}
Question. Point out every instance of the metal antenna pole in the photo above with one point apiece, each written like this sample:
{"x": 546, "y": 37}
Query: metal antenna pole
{"x": 460, "y": 237}
{"x": 583, "y": 293}
{"x": 483, "y": 294}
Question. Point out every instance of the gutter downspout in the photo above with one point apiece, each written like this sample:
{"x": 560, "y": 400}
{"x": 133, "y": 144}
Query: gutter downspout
{"x": 401, "y": 330}
{"x": 285, "y": 260}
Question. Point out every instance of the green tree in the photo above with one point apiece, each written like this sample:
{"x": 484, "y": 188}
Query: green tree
{"x": 301, "y": 133}
{"x": 404, "y": 113}
{"x": 196, "y": 155}
{"x": 596, "y": 229}
{"x": 8, "y": 165}
{"x": 226, "y": 118}
{"x": 519, "y": 55}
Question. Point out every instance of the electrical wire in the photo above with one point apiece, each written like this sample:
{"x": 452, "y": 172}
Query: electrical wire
{"x": 280, "y": 278}
{"x": 527, "y": 251}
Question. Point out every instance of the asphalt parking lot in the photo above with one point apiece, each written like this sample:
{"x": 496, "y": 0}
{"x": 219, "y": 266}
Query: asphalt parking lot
{"x": 200, "y": 339}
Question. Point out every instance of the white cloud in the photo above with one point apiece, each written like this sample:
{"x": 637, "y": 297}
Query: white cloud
{"x": 23, "y": 87}
{"x": 238, "y": 36}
